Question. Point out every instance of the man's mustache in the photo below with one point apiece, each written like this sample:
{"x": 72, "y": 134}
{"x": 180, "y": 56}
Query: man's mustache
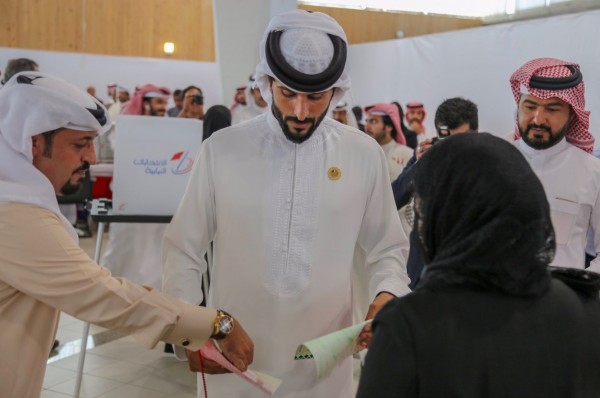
{"x": 310, "y": 120}
{"x": 84, "y": 167}
{"x": 539, "y": 126}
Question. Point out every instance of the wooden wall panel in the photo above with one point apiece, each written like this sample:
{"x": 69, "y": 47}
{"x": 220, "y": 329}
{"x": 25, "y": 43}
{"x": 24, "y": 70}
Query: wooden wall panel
{"x": 363, "y": 26}
{"x": 140, "y": 27}
{"x": 41, "y": 24}
{"x": 112, "y": 27}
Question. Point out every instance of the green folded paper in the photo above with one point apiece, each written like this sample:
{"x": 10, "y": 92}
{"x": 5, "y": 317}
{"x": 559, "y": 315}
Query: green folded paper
{"x": 331, "y": 349}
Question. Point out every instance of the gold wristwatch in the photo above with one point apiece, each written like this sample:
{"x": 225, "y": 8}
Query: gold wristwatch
{"x": 223, "y": 325}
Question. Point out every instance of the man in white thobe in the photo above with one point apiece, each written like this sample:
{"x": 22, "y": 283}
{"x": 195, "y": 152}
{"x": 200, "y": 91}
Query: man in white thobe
{"x": 343, "y": 114}
{"x": 383, "y": 124}
{"x": 284, "y": 198}
{"x": 552, "y": 133}
{"x": 255, "y": 104}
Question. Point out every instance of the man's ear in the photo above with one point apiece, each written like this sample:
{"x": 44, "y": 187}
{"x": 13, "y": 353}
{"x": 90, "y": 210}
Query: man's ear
{"x": 37, "y": 145}
{"x": 572, "y": 115}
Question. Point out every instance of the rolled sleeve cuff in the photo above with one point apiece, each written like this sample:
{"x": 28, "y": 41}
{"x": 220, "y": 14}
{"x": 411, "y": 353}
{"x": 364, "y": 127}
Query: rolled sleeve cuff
{"x": 194, "y": 327}
{"x": 397, "y": 289}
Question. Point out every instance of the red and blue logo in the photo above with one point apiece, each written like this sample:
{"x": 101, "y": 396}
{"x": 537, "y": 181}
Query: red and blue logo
{"x": 181, "y": 163}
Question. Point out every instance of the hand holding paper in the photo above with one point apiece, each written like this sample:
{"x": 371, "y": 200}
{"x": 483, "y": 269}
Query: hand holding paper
{"x": 237, "y": 347}
{"x": 265, "y": 382}
{"x": 365, "y": 337}
{"x": 331, "y": 349}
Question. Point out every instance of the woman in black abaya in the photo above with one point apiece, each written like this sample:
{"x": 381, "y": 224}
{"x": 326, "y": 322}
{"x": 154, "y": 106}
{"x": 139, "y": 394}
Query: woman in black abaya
{"x": 487, "y": 319}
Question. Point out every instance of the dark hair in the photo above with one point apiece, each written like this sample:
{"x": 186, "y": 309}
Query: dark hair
{"x": 188, "y": 88}
{"x": 17, "y": 65}
{"x": 454, "y": 112}
{"x": 217, "y": 117}
{"x": 357, "y": 113}
{"x": 177, "y": 93}
{"x": 401, "y": 116}
{"x": 387, "y": 121}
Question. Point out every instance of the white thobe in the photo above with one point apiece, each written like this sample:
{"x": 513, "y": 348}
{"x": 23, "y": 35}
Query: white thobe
{"x": 571, "y": 179}
{"x": 397, "y": 156}
{"x": 284, "y": 231}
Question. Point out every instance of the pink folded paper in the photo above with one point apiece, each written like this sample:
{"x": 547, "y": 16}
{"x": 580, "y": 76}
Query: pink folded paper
{"x": 268, "y": 384}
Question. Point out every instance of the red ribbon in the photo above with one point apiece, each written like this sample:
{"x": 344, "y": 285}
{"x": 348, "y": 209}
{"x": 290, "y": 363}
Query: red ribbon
{"x": 202, "y": 370}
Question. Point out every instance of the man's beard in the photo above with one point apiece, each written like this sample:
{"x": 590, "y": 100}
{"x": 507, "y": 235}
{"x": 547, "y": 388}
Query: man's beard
{"x": 290, "y": 135}
{"x": 540, "y": 144}
{"x": 154, "y": 112}
{"x": 69, "y": 188}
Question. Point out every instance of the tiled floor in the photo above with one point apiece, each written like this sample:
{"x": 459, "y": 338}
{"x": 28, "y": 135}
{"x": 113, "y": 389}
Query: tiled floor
{"x": 115, "y": 366}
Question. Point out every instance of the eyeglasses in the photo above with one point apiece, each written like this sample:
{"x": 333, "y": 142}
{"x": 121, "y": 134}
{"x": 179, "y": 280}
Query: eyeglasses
{"x": 196, "y": 98}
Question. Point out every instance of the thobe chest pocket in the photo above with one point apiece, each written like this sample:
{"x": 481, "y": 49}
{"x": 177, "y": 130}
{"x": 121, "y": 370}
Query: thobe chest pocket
{"x": 564, "y": 215}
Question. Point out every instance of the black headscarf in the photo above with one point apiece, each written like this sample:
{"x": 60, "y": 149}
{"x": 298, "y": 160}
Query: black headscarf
{"x": 484, "y": 217}
{"x": 217, "y": 117}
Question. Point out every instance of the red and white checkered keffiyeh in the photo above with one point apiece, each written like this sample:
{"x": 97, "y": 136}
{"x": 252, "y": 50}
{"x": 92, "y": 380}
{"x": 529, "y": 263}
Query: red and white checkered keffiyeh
{"x": 134, "y": 106}
{"x": 390, "y": 110}
{"x": 577, "y": 133}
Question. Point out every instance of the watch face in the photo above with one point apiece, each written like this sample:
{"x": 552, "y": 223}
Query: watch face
{"x": 226, "y": 324}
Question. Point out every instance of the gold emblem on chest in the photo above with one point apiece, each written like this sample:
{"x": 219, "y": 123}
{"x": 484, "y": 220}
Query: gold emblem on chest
{"x": 334, "y": 173}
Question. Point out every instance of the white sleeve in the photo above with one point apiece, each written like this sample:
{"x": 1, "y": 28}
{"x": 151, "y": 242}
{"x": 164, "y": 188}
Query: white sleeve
{"x": 595, "y": 227}
{"x": 188, "y": 236}
{"x": 382, "y": 238}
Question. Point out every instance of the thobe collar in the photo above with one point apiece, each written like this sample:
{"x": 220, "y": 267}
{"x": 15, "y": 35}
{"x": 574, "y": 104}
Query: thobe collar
{"x": 389, "y": 146}
{"x": 276, "y": 134}
{"x": 530, "y": 152}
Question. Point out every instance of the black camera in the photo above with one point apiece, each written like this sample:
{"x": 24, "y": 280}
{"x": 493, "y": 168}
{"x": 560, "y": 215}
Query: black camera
{"x": 198, "y": 99}
{"x": 442, "y": 132}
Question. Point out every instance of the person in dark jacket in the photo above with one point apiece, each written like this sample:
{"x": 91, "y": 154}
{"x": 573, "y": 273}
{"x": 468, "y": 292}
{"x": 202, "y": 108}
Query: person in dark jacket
{"x": 487, "y": 319}
{"x": 453, "y": 116}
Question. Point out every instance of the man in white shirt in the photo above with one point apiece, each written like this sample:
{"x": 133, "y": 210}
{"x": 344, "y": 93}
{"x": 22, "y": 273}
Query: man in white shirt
{"x": 552, "y": 133}
{"x": 285, "y": 198}
{"x": 383, "y": 124}
{"x": 343, "y": 114}
{"x": 255, "y": 104}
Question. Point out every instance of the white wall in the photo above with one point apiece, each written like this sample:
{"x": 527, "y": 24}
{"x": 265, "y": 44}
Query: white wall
{"x": 85, "y": 70}
{"x": 476, "y": 64}
{"x": 239, "y": 26}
